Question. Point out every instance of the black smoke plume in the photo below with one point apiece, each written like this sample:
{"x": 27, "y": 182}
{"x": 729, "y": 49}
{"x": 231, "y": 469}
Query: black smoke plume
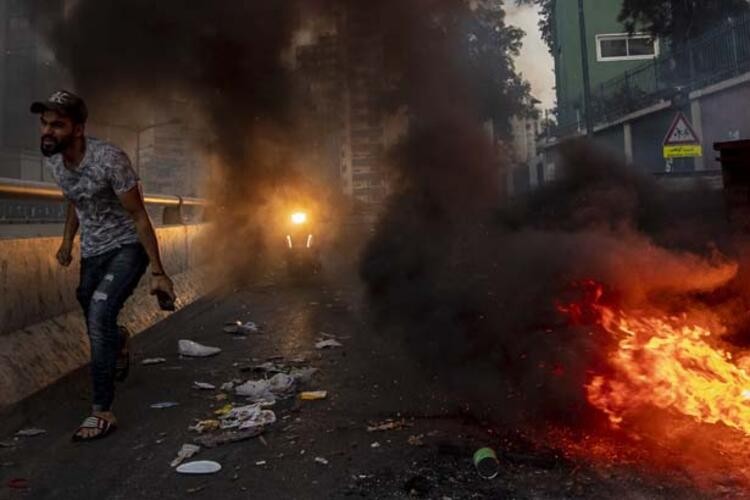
{"x": 469, "y": 287}
{"x": 473, "y": 289}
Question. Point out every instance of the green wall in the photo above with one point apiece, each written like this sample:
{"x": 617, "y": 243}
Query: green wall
{"x": 601, "y": 18}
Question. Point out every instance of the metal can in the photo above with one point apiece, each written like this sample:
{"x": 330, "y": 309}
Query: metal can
{"x": 486, "y": 463}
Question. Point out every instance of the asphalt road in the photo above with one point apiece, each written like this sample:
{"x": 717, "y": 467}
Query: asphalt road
{"x": 368, "y": 380}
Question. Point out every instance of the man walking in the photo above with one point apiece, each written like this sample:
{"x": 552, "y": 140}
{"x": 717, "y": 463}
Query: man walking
{"x": 117, "y": 239}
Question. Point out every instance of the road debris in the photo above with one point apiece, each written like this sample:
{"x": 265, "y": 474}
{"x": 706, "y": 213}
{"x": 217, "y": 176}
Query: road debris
{"x": 195, "y": 350}
{"x": 279, "y": 386}
{"x": 185, "y": 452}
{"x": 199, "y": 467}
{"x": 223, "y": 410}
{"x": 321, "y": 460}
{"x": 227, "y": 386}
{"x": 205, "y": 426}
{"x": 328, "y": 344}
{"x": 303, "y": 375}
{"x": 388, "y": 425}
{"x": 260, "y": 462}
{"x": 313, "y": 395}
{"x": 240, "y": 328}
{"x": 164, "y": 405}
{"x": 153, "y": 361}
{"x": 214, "y": 440}
{"x": 375, "y": 445}
{"x": 417, "y": 440}
{"x": 30, "y": 432}
{"x": 7, "y": 444}
{"x": 197, "y": 489}
{"x": 205, "y": 386}
{"x": 485, "y": 461}
{"x": 247, "y": 417}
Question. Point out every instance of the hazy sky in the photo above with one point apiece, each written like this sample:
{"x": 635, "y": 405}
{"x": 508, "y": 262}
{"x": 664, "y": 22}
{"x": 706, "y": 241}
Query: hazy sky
{"x": 535, "y": 61}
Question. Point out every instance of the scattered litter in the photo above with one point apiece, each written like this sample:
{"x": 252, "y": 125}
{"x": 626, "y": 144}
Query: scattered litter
{"x": 18, "y": 483}
{"x": 238, "y": 327}
{"x": 260, "y": 462}
{"x": 281, "y": 383}
{"x": 249, "y": 327}
{"x": 313, "y": 395}
{"x": 223, "y": 410}
{"x": 227, "y": 386}
{"x": 199, "y": 467}
{"x": 153, "y": 361}
{"x": 268, "y": 367}
{"x": 214, "y": 440}
{"x": 375, "y": 445}
{"x": 30, "y": 432}
{"x": 204, "y": 386}
{"x": 232, "y": 327}
{"x": 303, "y": 375}
{"x": 7, "y": 444}
{"x": 247, "y": 417}
{"x": 187, "y": 451}
{"x": 205, "y": 426}
{"x": 485, "y": 461}
{"x": 329, "y": 343}
{"x": 279, "y": 386}
{"x": 196, "y": 350}
{"x": 327, "y": 335}
{"x": 416, "y": 440}
{"x": 221, "y": 397}
{"x": 255, "y": 390}
{"x": 388, "y": 425}
{"x": 197, "y": 489}
{"x": 165, "y": 404}
{"x": 321, "y": 460}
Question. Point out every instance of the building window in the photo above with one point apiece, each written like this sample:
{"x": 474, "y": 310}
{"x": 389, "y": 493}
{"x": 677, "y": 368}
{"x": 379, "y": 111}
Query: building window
{"x": 624, "y": 47}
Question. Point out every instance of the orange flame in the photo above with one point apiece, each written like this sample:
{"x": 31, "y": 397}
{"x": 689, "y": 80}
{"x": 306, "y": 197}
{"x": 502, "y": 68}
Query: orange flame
{"x": 664, "y": 361}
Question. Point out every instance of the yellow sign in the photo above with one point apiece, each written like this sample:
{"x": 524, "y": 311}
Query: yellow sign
{"x": 683, "y": 151}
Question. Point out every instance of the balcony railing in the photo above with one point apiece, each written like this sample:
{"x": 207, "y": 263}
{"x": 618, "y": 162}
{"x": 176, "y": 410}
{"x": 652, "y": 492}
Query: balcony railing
{"x": 719, "y": 55}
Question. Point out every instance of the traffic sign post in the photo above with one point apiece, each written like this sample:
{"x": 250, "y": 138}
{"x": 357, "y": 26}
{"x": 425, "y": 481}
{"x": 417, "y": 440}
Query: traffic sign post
{"x": 681, "y": 141}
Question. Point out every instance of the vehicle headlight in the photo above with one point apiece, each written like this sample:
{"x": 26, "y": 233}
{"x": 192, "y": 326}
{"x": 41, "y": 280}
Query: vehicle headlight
{"x": 299, "y": 218}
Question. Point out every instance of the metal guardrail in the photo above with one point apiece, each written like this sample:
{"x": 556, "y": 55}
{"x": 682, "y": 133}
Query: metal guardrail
{"x": 46, "y": 193}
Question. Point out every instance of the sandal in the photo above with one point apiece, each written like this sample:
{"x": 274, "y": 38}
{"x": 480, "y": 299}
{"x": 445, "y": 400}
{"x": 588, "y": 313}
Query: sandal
{"x": 122, "y": 367}
{"x": 104, "y": 426}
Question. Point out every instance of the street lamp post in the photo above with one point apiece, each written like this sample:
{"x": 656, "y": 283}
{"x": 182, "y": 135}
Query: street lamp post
{"x": 585, "y": 68}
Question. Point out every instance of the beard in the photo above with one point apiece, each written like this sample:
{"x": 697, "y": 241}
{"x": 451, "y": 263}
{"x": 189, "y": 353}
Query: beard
{"x": 51, "y": 146}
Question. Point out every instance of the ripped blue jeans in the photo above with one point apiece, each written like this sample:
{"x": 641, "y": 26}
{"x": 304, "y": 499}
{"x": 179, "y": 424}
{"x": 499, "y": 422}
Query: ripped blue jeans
{"x": 107, "y": 281}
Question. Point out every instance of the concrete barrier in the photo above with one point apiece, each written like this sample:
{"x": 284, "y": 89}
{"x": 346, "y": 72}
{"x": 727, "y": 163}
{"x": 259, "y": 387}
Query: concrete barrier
{"x": 42, "y": 332}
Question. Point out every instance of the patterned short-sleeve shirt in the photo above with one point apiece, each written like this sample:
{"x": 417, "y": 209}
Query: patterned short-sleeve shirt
{"x": 92, "y": 187}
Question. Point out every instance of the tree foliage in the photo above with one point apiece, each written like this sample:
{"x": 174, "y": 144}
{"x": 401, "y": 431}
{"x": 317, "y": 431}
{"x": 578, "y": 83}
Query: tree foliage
{"x": 491, "y": 46}
{"x": 677, "y": 20}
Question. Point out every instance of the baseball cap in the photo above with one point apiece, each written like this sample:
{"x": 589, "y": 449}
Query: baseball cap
{"x": 65, "y": 103}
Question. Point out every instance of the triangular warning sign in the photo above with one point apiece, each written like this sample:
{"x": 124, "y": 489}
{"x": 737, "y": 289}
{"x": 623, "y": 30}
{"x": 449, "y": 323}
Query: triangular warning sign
{"x": 681, "y": 132}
